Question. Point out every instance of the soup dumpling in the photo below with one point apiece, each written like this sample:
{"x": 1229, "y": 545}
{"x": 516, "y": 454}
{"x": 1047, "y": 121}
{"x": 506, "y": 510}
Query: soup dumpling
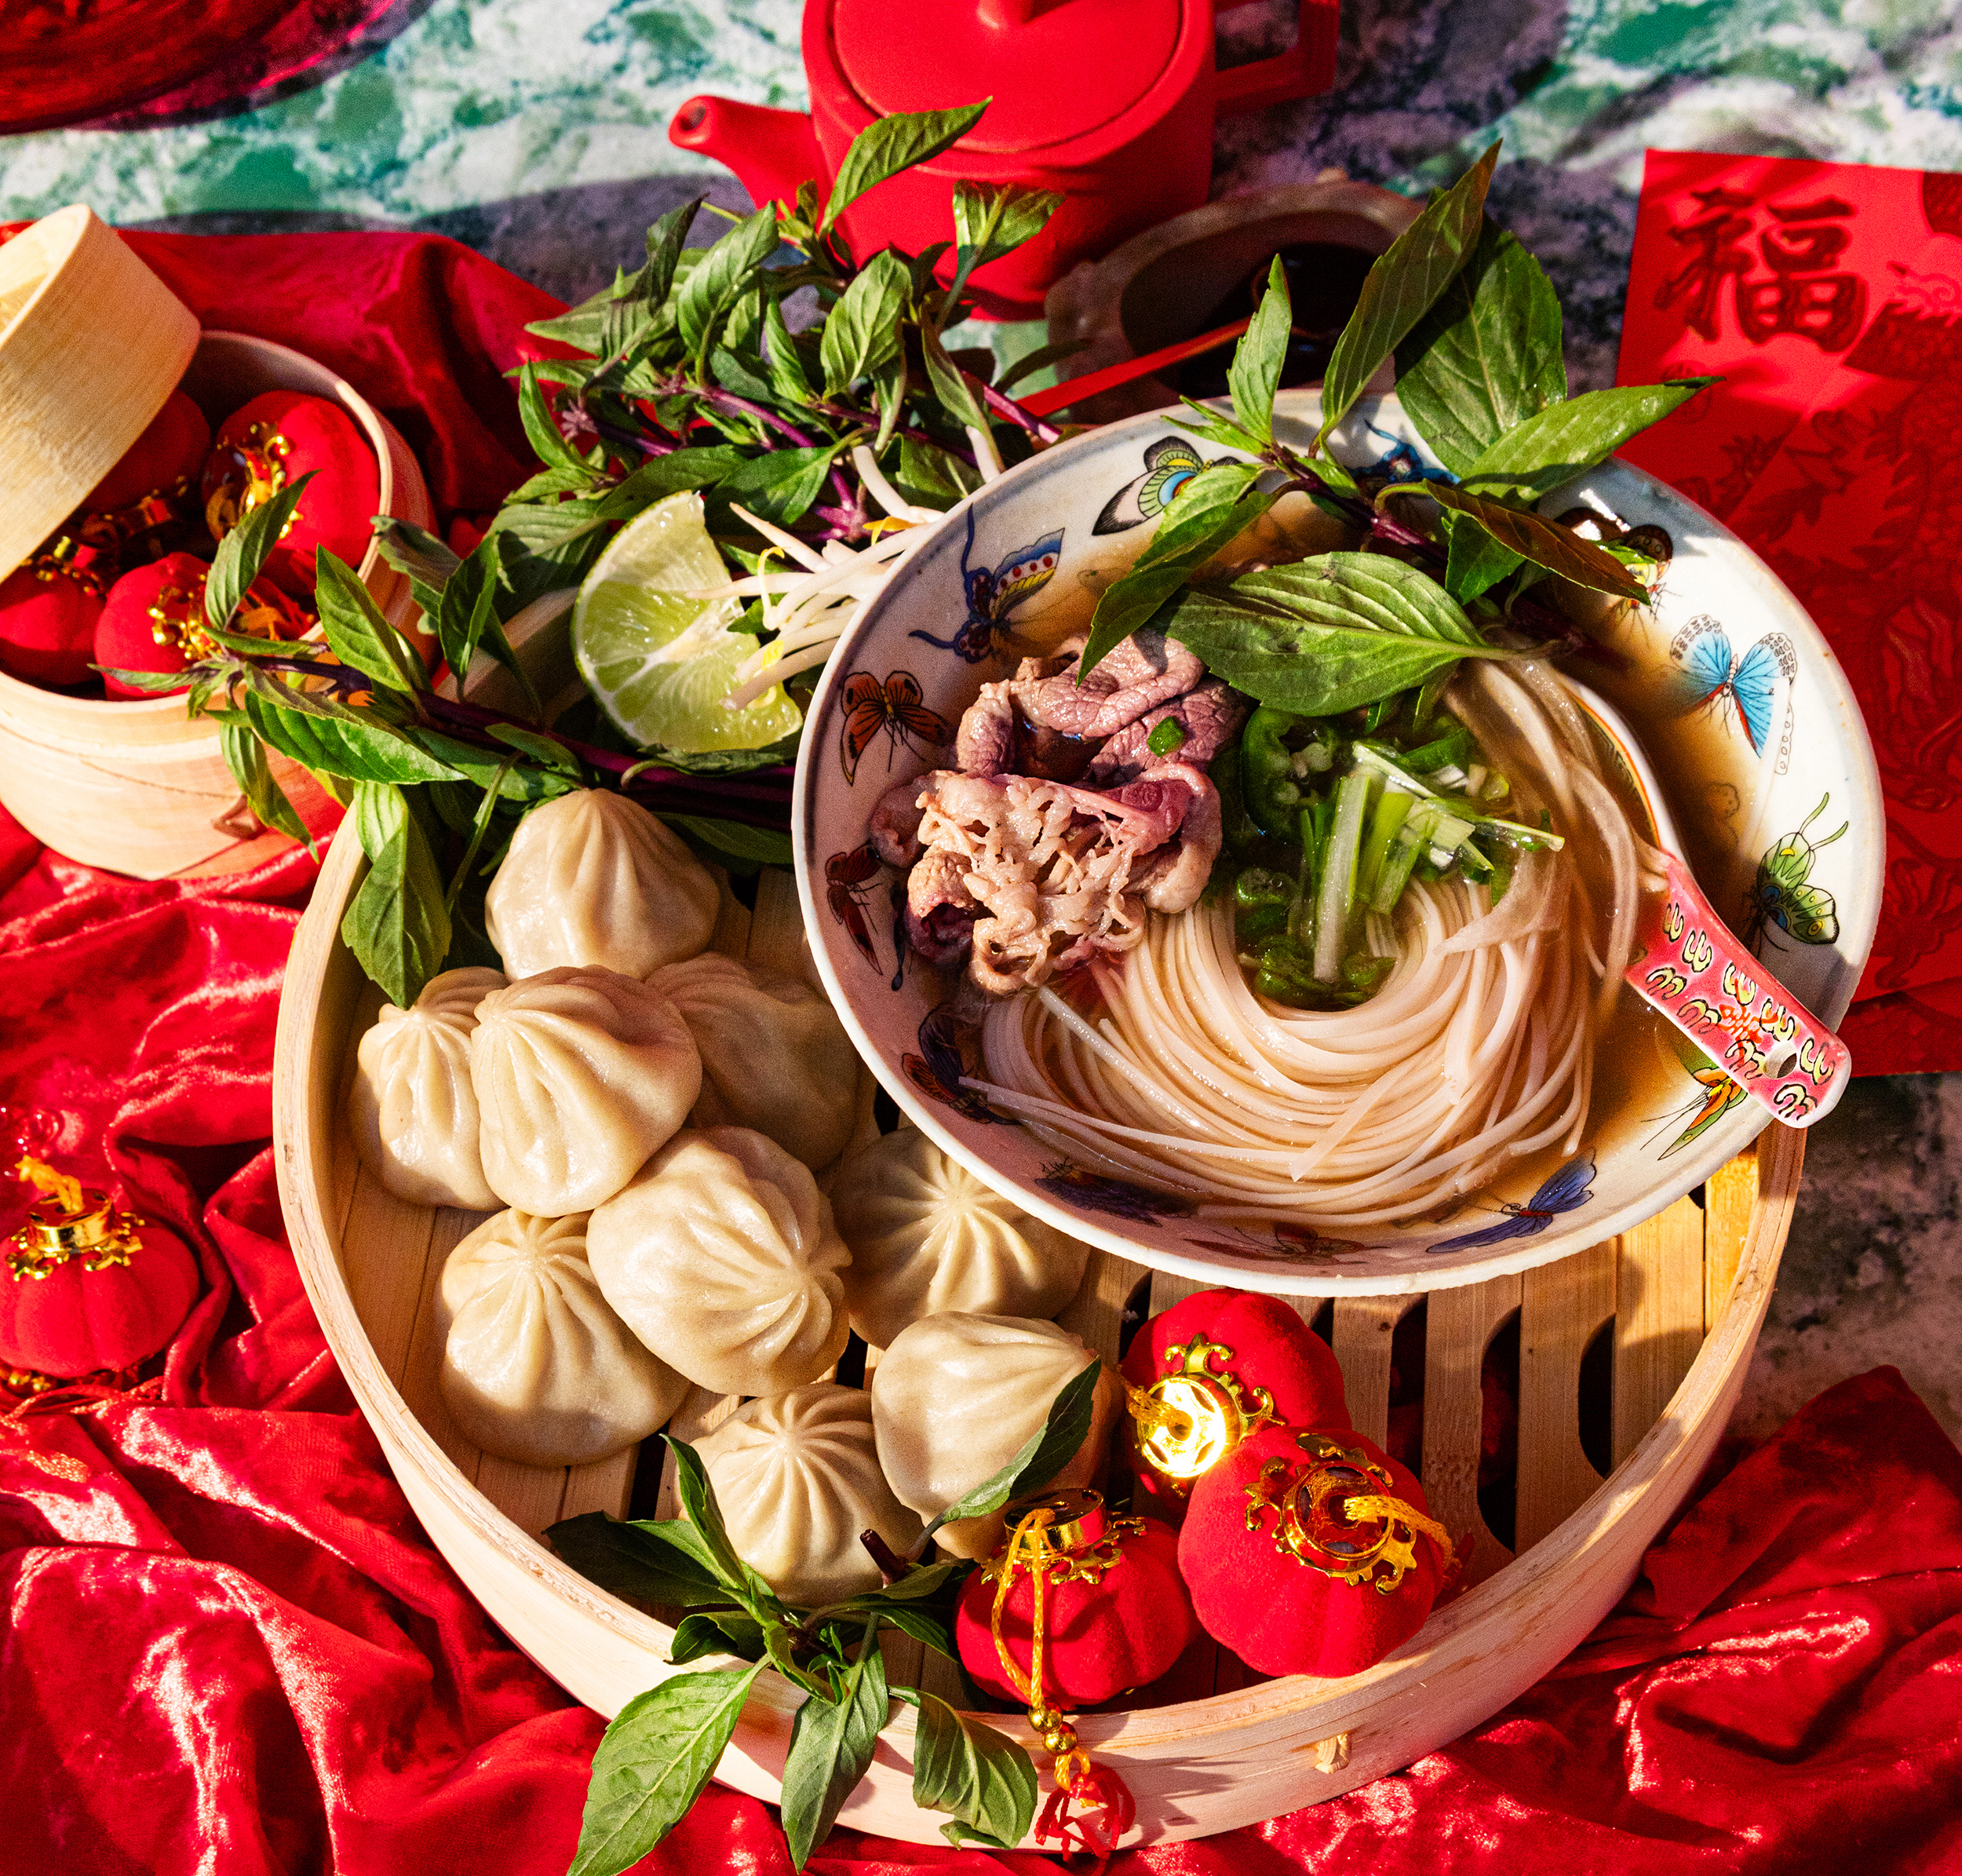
{"x": 412, "y": 1107}
{"x": 927, "y": 1236}
{"x": 722, "y": 1257}
{"x": 797, "y": 1476}
{"x": 580, "y": 1075}
{"x": 593, "y": 879}
{"x": 956, "y": 1396}
{"x": 775, "y": 1056}
{"x": 536, "y": 1367}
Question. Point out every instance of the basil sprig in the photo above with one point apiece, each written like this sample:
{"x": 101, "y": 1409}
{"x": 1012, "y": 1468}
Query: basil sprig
{"x": 663, "y": 1748}
{"x": 1475, "y": 330}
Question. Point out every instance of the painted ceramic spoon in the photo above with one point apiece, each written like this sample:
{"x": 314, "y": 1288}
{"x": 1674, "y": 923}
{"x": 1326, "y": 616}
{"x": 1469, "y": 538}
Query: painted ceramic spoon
{"x": 1695, "y": 971}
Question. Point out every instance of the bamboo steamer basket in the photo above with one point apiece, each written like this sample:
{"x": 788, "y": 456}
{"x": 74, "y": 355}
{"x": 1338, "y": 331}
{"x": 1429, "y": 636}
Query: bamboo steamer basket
{"x": 133, "y": 785}
{"x": 1681, "y": 1298}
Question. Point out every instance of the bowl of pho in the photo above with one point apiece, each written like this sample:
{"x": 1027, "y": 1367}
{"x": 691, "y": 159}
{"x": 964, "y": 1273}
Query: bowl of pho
{"x": 1248, "y": 891}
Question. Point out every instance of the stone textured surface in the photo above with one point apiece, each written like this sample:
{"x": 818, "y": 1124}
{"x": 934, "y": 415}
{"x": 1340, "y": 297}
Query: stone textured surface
{"x": 535, "y": 129}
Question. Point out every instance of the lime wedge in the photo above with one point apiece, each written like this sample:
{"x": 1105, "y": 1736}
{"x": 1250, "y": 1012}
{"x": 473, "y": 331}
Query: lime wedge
{"x": 660, "y": 662}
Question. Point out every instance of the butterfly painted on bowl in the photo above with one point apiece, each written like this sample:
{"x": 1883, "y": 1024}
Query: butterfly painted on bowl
{"x": 994, "y": 594}
{"x": 1078, "y": 1185}
{"x": 1566, "y": 1191}
{"x": 896, "y": 708}
{"x": 1710, "y": 673}
{"x": 1783, "y": 894}
{"x": 1169, "y": 465}
{"x": 950, "y": 1051}
{"x": 847, "y": 885}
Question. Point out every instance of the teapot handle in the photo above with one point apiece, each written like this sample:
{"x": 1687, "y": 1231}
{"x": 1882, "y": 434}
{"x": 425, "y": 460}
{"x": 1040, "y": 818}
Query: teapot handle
{"x": 1306, "y": 68}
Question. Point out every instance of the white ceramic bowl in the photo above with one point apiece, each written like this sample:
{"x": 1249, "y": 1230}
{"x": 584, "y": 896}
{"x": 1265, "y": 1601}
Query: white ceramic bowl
{"x": 1737, "y": 788}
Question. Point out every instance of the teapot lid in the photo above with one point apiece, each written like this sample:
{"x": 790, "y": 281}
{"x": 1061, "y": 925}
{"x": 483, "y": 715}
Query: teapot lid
{"x": 1055, "y": 69}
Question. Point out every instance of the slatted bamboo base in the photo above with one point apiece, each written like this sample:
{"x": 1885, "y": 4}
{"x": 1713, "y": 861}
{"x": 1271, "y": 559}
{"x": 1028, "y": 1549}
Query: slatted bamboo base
{"x": 1683, "y": 1295}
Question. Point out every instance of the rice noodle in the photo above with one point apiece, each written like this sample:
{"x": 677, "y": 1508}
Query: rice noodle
{"x": 1478, "y": 1049}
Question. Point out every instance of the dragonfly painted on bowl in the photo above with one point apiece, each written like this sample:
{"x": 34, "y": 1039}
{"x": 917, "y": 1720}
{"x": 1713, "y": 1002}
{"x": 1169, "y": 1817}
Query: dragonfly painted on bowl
{"x": 1566, "y": 1191}
{"x": 993, "y": 592}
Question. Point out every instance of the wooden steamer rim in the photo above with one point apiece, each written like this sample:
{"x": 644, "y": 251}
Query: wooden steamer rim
{"x": 1200, "y": 1767}
{"x": 92, "y": 344}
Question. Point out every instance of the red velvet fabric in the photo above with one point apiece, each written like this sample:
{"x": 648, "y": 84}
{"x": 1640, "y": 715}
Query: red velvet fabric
{"x": 227, "y": 1646}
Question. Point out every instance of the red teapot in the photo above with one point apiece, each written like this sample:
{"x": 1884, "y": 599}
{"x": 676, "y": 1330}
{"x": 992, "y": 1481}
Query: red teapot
{"x": 1110, "y": 102}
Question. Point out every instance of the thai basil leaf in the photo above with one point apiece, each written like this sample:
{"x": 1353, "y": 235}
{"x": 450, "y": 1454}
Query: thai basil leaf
{"x": 542, "y": 428}
{"x": 979, "y": 1776}
{"x": 884, "y": 148}
{"x": 1474, "y": 560}
{"x": 397, "y": 925}
{"x": 1401, "y": 286}
{"x": 1319, "y": 639}
{"x": 914, "y": 1586}
{"x": 356, "y": 633}
{"x": 861, "y": 331}
{"x": 1553, "y": 447}
{"x": 933, "y": 476}
{"x": 991, "y": 219}
{"x": 831, "y": 1744}
{"x": 1487, "y": 354}
{"x": 923, "y": 1625}
{"x": 1254, "y": 374}
{"x": 788, "y": 380}
{"x": 1215, "y": 507}
{"x": 761, "y": 846}
{"x": 245, "y": 755}
{"x": 723, "y": 275}
{"x": 731, "y": 371}
{"x": 426, "y": 562}
{"x": 654, "y": 1762}
{"x": 1044, "y": 1455}
{"x": 699, "y": 467}
{"x": 780, "y": 485}
{"x": 1214, "y": 426}
{"x": 660, "y": 1561}
{"x": 665, "y": 240}
{"x": 889, "y": 386}
{"x": 243, "y": 551}
{"x": 547, "y": 750}
{"x": 159, "y": 682}
{"x": 468, "y": 607}
{"x": 1374, "y": 590}
{"x": 359, "y": 746}
{"x": 724, "y": 1633}
{"x": 518, "y": 782}
{"x": 1534, "y": 537}
{"x": 698, "y": 1501}
{"x": 950, "y": 383}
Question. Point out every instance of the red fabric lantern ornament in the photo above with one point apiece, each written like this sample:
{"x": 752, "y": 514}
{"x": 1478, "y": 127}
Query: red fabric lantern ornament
{"x": 276, "y": 438}
{"x": 162, "y": 465}
{"x": 153, "y": 620}
{"x": 1211, "y": 1370}
{"x": 1311, "y": 1553}
{"x": 87, "y": 1287}
{"x": 1074, "y": 1607}
{"x": 47, "y": 614}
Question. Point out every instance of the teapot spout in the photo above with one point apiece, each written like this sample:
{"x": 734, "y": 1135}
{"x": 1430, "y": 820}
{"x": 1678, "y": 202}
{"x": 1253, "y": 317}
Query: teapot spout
{"x": 772, "y": 151}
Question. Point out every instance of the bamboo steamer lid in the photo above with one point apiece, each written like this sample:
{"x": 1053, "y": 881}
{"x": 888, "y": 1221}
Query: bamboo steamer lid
{"x": 91, "y": 344}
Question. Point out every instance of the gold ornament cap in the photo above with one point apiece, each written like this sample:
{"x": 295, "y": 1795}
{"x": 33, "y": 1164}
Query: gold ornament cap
{"x": 1191, "y": 1418}
{"x": 68, "y": 1220}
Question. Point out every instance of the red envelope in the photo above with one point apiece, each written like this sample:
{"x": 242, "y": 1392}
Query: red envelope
{"x": 1764, "y": 270}
{"x": 1853, "y": 494}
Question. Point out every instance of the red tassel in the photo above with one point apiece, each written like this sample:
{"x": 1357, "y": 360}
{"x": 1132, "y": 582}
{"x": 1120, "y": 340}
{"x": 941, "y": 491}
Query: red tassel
{"x": 1107, "y": 1809}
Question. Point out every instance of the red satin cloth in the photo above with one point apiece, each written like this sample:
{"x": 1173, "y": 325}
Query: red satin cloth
{"x": 227, "y": 1646}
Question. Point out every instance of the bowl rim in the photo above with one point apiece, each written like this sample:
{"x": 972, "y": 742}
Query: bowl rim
{"x": 1282, "y": 1279}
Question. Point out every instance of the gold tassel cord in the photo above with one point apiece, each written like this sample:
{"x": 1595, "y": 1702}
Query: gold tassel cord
{"x": 1377, "y": 1507}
